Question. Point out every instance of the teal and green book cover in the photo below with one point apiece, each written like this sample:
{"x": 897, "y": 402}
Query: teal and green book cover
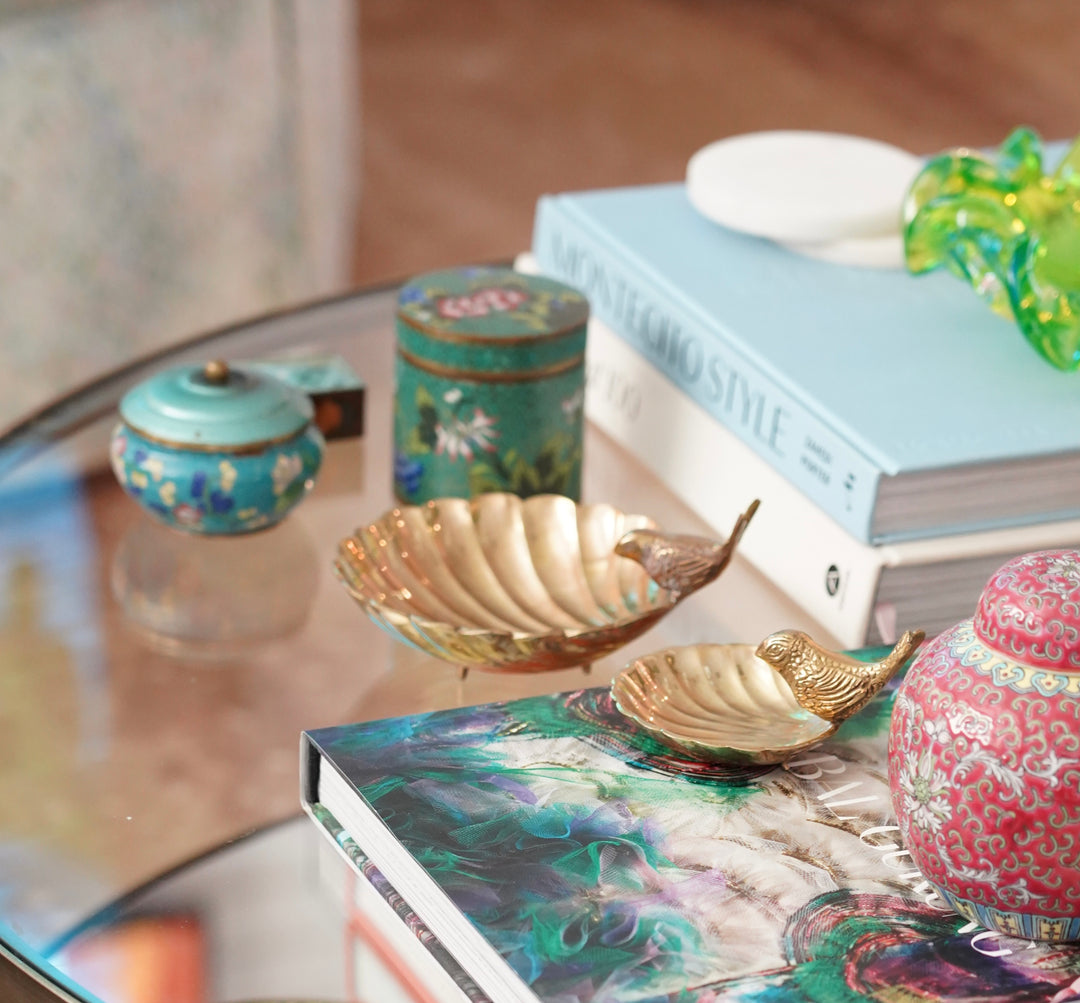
{"x": 598, "y": 866}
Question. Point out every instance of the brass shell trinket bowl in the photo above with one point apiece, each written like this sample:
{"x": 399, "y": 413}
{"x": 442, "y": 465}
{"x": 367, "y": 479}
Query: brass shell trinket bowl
{"x": 522, "y": 585}
{"x": 741, "y": 703}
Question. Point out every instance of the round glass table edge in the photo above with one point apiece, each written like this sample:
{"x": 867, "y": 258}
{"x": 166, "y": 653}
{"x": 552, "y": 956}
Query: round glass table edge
{"x": 97, "y": 398}
{"x": 26, "y": 968}
{"x": 87, "y": 408}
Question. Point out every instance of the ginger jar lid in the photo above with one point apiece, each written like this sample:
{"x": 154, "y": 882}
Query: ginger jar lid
{"x": 215, "y": 406}
{"x": 491, "y": 320}
{"x": 1030, "y": 610}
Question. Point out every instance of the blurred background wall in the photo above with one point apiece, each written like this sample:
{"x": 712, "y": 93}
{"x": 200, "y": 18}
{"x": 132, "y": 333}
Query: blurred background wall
{"x": 472, "y": 110}
{"x": 166, "y": 166}
{"x": 169, "y": 166}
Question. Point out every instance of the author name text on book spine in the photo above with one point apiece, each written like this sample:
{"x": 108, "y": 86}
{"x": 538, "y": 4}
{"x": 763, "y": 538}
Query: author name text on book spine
{"x": 617, "y": 388}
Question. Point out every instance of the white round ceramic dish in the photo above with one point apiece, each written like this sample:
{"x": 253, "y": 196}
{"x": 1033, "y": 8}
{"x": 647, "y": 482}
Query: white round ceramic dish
{"x": 864, "y": 252}
{"x": 802, "y": 187}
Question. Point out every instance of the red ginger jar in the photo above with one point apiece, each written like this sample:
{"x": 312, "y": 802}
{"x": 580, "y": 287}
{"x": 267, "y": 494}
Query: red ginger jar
{"x": 984, "y": 754}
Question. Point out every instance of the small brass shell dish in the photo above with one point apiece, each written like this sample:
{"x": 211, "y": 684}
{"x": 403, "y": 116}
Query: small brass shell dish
{"x": 741, "y": 703}
{"x": 517, "y": 585}
{"x": 719, "y": 703}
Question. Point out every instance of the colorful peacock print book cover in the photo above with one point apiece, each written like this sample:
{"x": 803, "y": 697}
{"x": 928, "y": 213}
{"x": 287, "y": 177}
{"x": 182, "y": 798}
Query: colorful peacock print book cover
{"x": 548, "y": 849}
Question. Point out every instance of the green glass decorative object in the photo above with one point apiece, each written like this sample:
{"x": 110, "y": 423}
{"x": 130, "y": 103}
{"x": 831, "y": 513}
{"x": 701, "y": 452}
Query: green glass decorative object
{"x": 1011, "y": 230}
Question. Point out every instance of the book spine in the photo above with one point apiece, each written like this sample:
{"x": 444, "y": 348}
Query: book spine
{"x": 406, "y": 948}
{"x": 381, "y": 927}
{"x": 687, "y": 348}
{"x": 807, "y": 555}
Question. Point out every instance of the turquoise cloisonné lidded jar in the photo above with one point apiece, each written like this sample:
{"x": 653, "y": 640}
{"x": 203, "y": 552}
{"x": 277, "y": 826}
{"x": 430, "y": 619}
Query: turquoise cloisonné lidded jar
{"x": 490, "y": 385}
{"x": 216, "y": 449}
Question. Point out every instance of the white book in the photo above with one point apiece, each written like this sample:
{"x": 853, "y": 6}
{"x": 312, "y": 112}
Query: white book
{"x": 861, "y": 593}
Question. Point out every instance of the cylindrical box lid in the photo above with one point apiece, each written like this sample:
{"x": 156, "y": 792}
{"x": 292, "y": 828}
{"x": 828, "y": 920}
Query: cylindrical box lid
{"x": 491, "y": 320}
{"x": 490, "y": 382}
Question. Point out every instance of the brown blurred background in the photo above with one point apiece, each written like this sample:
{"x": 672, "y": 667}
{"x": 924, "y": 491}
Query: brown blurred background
{"x": 173, "y": 166}
{"x": 470, "y": 111}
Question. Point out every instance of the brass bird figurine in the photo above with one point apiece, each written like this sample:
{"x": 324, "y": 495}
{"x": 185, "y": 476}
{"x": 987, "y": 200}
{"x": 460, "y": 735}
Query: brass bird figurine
{"x": 681, "y": 563}
{"x": 828, "y": 684}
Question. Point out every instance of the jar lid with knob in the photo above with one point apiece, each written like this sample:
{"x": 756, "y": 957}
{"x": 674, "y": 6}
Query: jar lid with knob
{"x": 216, "y": 406}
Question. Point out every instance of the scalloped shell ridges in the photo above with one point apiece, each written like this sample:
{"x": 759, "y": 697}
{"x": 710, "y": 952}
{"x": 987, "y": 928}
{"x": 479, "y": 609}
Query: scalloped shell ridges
{"x": 504, "y": 583}
{"x": 717, "y": 702}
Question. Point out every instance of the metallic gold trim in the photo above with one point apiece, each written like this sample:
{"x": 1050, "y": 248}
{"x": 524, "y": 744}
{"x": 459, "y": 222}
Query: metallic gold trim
{"x": 216, "y": 372}
{"x": 436, "y": 334}
{"x": 508, "y": 376}
{"x": 246, "y": 449}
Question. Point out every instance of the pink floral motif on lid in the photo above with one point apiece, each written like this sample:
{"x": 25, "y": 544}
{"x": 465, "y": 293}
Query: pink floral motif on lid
{"x": 1030, "y": 610}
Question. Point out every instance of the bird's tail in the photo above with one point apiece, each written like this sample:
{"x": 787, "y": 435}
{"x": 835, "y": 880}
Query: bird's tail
{"x": 682, "y": 564}
{"x": 727, "y": 552}
{"x": 905, "y": 648}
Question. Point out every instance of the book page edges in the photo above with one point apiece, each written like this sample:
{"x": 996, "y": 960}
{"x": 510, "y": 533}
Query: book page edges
{"x": 478, "y": 958}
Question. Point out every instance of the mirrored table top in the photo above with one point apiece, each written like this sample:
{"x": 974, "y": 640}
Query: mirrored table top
{"x": 154, "y": 684}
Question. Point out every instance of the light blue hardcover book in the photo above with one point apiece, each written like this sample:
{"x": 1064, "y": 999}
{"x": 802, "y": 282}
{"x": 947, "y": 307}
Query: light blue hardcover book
{"x": 900, "y": 405}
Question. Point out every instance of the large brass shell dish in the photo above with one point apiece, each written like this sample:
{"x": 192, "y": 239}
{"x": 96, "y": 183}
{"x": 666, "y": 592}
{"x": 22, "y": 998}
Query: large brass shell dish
{"x": 719, "y": 703}
{"x": 502, "y": 583}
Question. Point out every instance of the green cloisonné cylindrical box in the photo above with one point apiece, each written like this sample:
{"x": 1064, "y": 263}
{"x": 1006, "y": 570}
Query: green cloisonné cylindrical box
{"x": 490, "y": 385}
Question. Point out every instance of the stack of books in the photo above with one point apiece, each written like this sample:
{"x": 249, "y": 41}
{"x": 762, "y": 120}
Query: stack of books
{"x": 546, "y": 850}
{"x": 903, "y": 439}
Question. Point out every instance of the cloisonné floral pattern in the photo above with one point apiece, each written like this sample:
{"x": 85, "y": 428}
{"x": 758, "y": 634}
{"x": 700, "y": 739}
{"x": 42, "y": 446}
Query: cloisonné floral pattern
{"x": 462, "y": 434}
{"x": 453, "y": 446}
{"x": 492, "y": 296}
{"x": 489, "y": 388}
{"x": 985, "y": 753}
{"x": 211, "y": 492}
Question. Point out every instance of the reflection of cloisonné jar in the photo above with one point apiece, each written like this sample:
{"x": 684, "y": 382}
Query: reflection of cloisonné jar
{"x": 984, "y": 753}
{"x": 490, "y": 385}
